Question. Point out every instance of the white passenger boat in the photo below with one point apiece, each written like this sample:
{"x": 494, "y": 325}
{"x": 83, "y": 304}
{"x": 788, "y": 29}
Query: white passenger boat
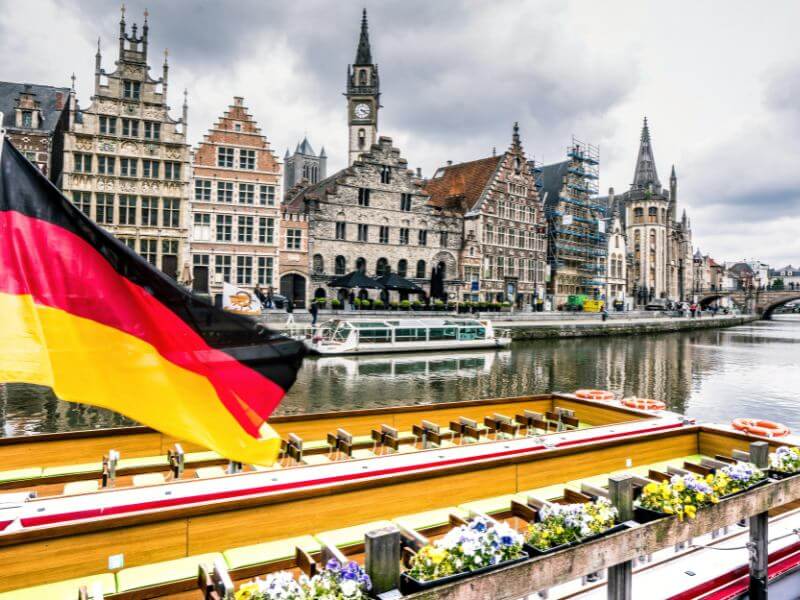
{"x": 340, "y": 336}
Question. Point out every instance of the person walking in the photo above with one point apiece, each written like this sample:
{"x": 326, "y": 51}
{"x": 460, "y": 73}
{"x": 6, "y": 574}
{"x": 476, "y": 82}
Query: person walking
{"x": 259, "y": 293}
{"x": 270, "y": 293}
{"x": 289, "y": 311}
{"x": 351, "y": 300}
{"x": 314, "y": 310}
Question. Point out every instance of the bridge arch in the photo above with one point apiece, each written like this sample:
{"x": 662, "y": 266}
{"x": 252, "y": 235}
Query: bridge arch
{"x": 706, "y": 301}
{"x": 767, "y": 314}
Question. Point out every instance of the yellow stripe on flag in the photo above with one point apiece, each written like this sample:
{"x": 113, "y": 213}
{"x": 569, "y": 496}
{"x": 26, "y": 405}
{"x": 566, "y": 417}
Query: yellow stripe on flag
{"x": 85, "y": 361}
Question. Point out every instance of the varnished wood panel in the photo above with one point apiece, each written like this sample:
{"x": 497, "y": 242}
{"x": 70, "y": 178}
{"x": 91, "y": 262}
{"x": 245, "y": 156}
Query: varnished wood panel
{"x": 720, "y": 442}
{"x": 65, "y": 452}
{"x": 565, "y": 468}
{"x": 598, "y": 414}
{"x": 64, "y": 558}
{"x": 222, "y": 531}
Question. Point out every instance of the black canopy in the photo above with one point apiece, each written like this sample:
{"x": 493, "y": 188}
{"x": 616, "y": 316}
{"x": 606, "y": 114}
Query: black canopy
{"x": 356, "y": 279}
{"x": 393, "y": 281}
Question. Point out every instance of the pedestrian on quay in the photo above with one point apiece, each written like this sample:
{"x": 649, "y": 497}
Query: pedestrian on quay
{"x": 270, "y": 293}
{"x": 289, "y": 311}
{"x": 259, "y": 293}
{"x": 604, "y": 314}
{"x": 693, "y": 309}
{"x": 351, "y": 300}
{"x": 314, "y": 310}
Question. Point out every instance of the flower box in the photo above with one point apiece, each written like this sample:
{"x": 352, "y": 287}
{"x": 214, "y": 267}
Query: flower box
{"x": 778, "y": 475}
{"x": 534, "y": 551}
{"x": 409, "y": 585}
{"x": 747, "y": 489}
{"x": 646, "y": 515}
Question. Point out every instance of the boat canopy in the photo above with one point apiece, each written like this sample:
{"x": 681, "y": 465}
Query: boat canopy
{"x": 416, "y": 323}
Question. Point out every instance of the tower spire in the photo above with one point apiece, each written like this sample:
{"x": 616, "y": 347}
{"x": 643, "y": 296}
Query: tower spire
{"x": 645, "y": 174}
{"x": 364, "y": 53}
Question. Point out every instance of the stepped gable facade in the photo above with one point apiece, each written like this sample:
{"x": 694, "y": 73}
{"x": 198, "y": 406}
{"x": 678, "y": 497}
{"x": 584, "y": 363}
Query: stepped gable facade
{"x": 503, "y": 252}
{"x": 235, "y": 206}
{"x": 374, "y": 216}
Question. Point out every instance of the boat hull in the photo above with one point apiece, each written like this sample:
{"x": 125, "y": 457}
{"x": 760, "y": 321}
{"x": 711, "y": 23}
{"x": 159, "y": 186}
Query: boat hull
{"x": 451, "y": 345}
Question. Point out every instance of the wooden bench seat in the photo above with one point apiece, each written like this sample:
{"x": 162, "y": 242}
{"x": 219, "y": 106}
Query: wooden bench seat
{"x": 161, "y": 573}
{"x": 429, "y": 519}
{"x": 68, "y": 470}
{"x": 29, "y": 474}
{"x": 490, "y": 506}
{"x": 269, "y": 552}
{"x": 349, "y": 536}
{"x": 65, "y": 590}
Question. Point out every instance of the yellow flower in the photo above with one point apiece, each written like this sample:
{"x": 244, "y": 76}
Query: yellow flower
{"x": 691, "y": 511}
{"x": 651, "y": 488}
{"x": 701, "y": 497}
{"x": 246, "y": 591}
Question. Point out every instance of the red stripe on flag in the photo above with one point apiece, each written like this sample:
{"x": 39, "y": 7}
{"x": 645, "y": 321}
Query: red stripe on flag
{"x": 59, "y": 269}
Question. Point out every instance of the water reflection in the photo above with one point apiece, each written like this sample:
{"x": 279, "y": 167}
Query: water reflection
{"x": 713, "y": 375}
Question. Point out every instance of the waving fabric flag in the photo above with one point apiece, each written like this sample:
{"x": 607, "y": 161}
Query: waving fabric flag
{"x": 86, "y": 316}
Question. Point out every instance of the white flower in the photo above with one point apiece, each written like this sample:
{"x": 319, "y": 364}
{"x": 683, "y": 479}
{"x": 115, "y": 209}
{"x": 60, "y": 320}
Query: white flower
{"x": 349, "y": 588}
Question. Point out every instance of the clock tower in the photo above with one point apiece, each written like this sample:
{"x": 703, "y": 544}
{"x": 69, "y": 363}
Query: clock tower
{"x": 363, "y": 98}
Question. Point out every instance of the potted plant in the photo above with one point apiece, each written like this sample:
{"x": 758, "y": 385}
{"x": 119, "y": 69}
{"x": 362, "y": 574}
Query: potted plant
{"x": 321, "y": 302}
{"x": 451, "y": 306}
{"x": 680, "y": 496}
{"x": 438, "y": 305}
{"x": 465, "y": 307}
{"x": 394, "y": 305}
{"x": 377, "y": 304}
{"x": 738, "y": 477}
{"x": 495, "y": 306}
{"x": 482, "y": 305}
{"x": 416, "y": 305}
{"x": 784, "y": 462}
{"x": 357, "y": 303}
{"x": 405, "y": 305}
{"x": 336, "y": 304}
{"x": 366, "y": 304}
{"x": 334, "y": 581}
{"x": 476, "y": 547}
{"x": 563, "y": 525}
{"x": 505, "y": 306}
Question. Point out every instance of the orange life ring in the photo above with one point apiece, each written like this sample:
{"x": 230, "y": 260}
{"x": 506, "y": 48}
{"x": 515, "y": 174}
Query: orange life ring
{"x": 761, "y": 427}
{"x": 602, "y": 395}
{"x": 644, "y": 403}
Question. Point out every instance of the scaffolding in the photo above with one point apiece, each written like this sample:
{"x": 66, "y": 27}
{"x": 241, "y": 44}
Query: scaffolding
{"x": 577, "y": 242}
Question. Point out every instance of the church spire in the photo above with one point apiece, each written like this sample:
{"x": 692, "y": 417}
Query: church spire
{"x": 645, "y": 174}
{"x": 364, "y": 53}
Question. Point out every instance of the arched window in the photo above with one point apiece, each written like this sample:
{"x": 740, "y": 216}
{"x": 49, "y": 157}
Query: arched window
{"x": 638, "y": 214}
{"x": 341, "y": 265}
{"x": 362, "y": 77}
{"x": 318, "y": 264}
{"x": 442, "y": 269}
{"x": 402, "y": 267}
{"x": 319, "y": 293}
{"x": 652, "y": 215}
{"x": 382, "y": 267}
{"x": 420, "y": 269}
{"x": 361, "y": 264}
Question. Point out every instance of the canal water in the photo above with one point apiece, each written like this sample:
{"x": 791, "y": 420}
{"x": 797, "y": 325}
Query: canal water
{"x": 713, "y": 375}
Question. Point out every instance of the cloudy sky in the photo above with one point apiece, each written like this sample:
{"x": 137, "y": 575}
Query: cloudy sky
{"x": 718, "y": 80}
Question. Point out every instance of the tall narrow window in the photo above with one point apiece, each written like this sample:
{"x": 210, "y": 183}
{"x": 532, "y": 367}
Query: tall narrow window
{"x": 225, "y": 157}
{"x": 402, "y": 267}
{"x": 341, "y": 230}
{"x": 266, "y": 230}
{"x": 383, "y": 234}
{"x": 224, "y": 228}
{"x": 363, "y": 233}
{"x": 245, "y": 229}
{"x": 149, "y": 250}
{"x": 244, "y": 270}
{"x": 422, "y": 237}
{"x": 404, "y": 236}
{"x": 149, "y": 211}
{"x": 222, "y": 267}
{"x": 104, "y": 209}
{"x": 340, "y": 265}
{"x": 202, "y": 227}
{"x": 420, "y": 269}
{"x": 265, "y": 270}
{"x": 171, "y": 212}
{"x": 405, "y": 202}
{"x": 443, "y": 239}
{"x": 127, "y": 209}
{"x": 386, "y": 174}
{"x": 363, "y": 196}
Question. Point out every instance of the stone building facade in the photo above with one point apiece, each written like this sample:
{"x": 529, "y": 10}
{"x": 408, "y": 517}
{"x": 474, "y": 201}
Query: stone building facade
{"x": 293, "y": 268}
{"x": 126, "y": 161}
{"x": 235, "y": 207}
{"x": 503, "y": 252}
{"x": 304, "y": 164}
{"x": 374, "y": 216}
{"x": 616, "y": 271}
{"x": 35, "y": 118}
{"x": 661, "y": 244}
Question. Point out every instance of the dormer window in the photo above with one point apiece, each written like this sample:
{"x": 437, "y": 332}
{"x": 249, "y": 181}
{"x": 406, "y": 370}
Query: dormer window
{"x": 27, "y": 119}
{"x": 131, "y": 89}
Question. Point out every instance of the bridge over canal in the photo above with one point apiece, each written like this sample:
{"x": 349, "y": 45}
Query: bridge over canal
{"x": 760, "y": 302}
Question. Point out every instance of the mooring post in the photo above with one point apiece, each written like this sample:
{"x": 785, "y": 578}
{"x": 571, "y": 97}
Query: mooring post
{"x": 759, "y": 553}
{"x": 382, "y": 558}
{"x": 620, "y": 491}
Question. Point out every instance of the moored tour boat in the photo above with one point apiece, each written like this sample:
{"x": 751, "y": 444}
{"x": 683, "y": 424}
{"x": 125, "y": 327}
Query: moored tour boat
{"x": 342, "y": 336}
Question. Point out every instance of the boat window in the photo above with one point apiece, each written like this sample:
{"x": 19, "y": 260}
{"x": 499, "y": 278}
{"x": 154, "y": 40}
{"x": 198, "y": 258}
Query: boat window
{"x": 335, "y": 332}
{"x": 468, "y": 333}
{"x": 410, "y": 335}
{"x": 443, "y": 333}
{"x": 375, "y": 336}
{"x": 369, "y": 324}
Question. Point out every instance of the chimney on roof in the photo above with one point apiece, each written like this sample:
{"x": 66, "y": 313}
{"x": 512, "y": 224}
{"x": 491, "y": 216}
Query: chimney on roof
{"x": 449, "y": 162}
{"x": 419, "y": 172}
{"x": 494, "y": 150}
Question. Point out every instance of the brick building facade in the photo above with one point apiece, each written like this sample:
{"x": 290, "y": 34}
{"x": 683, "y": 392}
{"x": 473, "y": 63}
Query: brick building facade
{"x": 35, "y": 118}
{"x": 503, "y": 241}
{"x": 126, "y": 161}
{"x": 235, "y": 206}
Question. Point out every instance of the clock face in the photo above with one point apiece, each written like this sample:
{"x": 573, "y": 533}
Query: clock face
{"x": 361, "y": 111}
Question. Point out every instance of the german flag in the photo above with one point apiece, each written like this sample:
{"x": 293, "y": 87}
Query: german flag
{"x": 86, "y": 316}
